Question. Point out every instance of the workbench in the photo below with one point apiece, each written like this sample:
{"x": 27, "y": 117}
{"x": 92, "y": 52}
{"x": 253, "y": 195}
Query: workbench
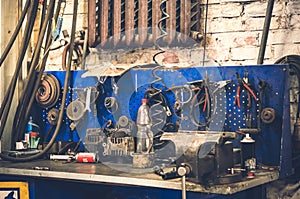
{"x": 99, "y": 174}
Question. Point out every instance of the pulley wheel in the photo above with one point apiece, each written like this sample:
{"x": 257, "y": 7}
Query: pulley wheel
{"x": 75, "y": 110}
{"x": 267, "y": 115}
{"x": 52, "y": 116}
{"x": 48, "y": 92}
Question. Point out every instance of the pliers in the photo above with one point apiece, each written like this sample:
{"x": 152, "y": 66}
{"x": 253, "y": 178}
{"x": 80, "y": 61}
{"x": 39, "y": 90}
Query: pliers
{"x": 244, "y": 83}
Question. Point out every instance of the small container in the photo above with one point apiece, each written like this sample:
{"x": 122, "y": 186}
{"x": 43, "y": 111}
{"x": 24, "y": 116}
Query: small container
{"x": 86, "y": 157}
{"x": 248, "y": 159}
{"x": 31, "y": 127}
{"x": 34, "y": 140}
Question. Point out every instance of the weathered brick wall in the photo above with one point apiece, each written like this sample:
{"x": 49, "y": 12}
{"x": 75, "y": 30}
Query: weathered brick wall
{"x": 233, "y": 33}
{"x": 235, "y": 30}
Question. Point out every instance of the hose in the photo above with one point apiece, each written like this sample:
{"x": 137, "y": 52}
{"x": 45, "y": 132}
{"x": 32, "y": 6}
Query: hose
{"x": 40, "y": 69}
{"x": 19, "y": 120}
{"x": 16, "y": 32}
{"x": 6, "y": 103}
{"x": 64, "y": 97}
{"x": 265, "y": 33}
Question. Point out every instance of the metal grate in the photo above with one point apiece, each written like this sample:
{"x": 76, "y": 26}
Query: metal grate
{"x": 132, "y": 22}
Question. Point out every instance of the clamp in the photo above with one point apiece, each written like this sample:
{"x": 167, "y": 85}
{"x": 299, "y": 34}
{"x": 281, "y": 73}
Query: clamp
{"x": 243, "y": 82}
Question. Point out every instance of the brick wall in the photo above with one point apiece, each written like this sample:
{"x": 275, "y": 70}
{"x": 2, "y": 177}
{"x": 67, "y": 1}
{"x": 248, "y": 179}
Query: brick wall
{"x": 233, "y": 33}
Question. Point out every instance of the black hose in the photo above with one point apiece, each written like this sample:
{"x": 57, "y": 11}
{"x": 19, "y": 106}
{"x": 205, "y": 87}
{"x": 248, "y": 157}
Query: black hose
{"x": 64, "y": 97}
{"x": 265, "y": 33}
{"x": 31, "y": 77}
{"x": 16, "y": 32}
{"x": 31, "y": 97}
{"x": 41, "y": 69}
{"x": 6, "y": 103}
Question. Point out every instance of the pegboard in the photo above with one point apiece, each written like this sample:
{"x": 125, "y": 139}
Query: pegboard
{"x": 271, "y": 143}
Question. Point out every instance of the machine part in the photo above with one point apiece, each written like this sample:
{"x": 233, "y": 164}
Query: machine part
{"x": 118, "y": 146}
{"x": 75, "y": 110}
{"x": 142, "y": 160}
{"x": 267, "y": 115}
{"x": 52, "y": 116}
{"x": 250, "y": 130}
{"x": 163, "y": 32}
{"x": 182, "y": 171}
{"x": 82, "y": 94}
{"x": 123, "y": 121}
{"x": 88, "y": 100}
{"x": 111, "y": 103}
{"x": 185, "y": 18}
{"x": 248, "y": 160}
{"x": 126, "y": 125}
{"x": 86, "y": 157}
{"x": 48, "y": 92}
{"x": 62, "y": 157}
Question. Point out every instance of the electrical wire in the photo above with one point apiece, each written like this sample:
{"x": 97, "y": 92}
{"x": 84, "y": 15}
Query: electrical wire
{"x": 64, "y": 97}
{"x": 16, "y": 32}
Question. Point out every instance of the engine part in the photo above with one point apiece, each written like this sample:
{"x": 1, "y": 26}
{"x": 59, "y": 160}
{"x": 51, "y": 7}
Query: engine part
{"x": 111, "y": 103}
{"x": 267, "y": 115}
{"x": 75, "y": 110}
{"x": 48, "y": 92}
{"x": 82, "y": 94}
{"x": 118, "y": 146}
{"x": 52, "y": 116}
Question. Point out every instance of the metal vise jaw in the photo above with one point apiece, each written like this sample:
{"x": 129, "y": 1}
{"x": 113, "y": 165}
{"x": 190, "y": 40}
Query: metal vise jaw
{"x": 206, "y": 154}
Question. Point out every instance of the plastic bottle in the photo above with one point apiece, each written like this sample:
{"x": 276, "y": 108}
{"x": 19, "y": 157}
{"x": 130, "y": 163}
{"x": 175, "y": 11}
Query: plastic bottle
{"x": 31, "y": 134}
{"x": 144, "y": 134}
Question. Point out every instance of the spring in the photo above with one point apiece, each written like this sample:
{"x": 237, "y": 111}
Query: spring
{"x": 157, "y": 101}
{"x": 162, "y": 30}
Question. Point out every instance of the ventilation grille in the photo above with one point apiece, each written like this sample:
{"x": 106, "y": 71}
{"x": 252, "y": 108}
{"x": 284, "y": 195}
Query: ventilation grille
{"x": 121, "y": 23}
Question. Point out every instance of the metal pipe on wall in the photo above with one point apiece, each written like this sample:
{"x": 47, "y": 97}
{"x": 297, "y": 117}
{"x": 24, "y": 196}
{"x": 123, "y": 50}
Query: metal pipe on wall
{"x": 263, "y": 44}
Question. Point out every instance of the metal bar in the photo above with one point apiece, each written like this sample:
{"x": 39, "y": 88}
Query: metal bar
{"x": 116, "y": 31}
{"x": 104, "y": 21}
{"x": 129, "y": 21}
{"x": 265, "y": 33}
{"x": 156, "y": 15}
{"x": 143, "y": 21}
{"x": 92, "y": 23}
{"x": 185, "y": 17}
{"x": 171, "y": 22}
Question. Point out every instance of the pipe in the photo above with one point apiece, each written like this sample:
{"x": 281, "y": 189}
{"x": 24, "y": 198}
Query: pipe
{"x": 6, "y": 103}
{"x": 15, "y": 34}
{"x": 31, "y": 77}
{"x": 265, "y": 33}
{"x": 64, "y": 97}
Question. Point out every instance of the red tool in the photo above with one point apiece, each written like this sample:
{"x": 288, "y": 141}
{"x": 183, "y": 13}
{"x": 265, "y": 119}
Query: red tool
{"x": 242, "y": 82}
